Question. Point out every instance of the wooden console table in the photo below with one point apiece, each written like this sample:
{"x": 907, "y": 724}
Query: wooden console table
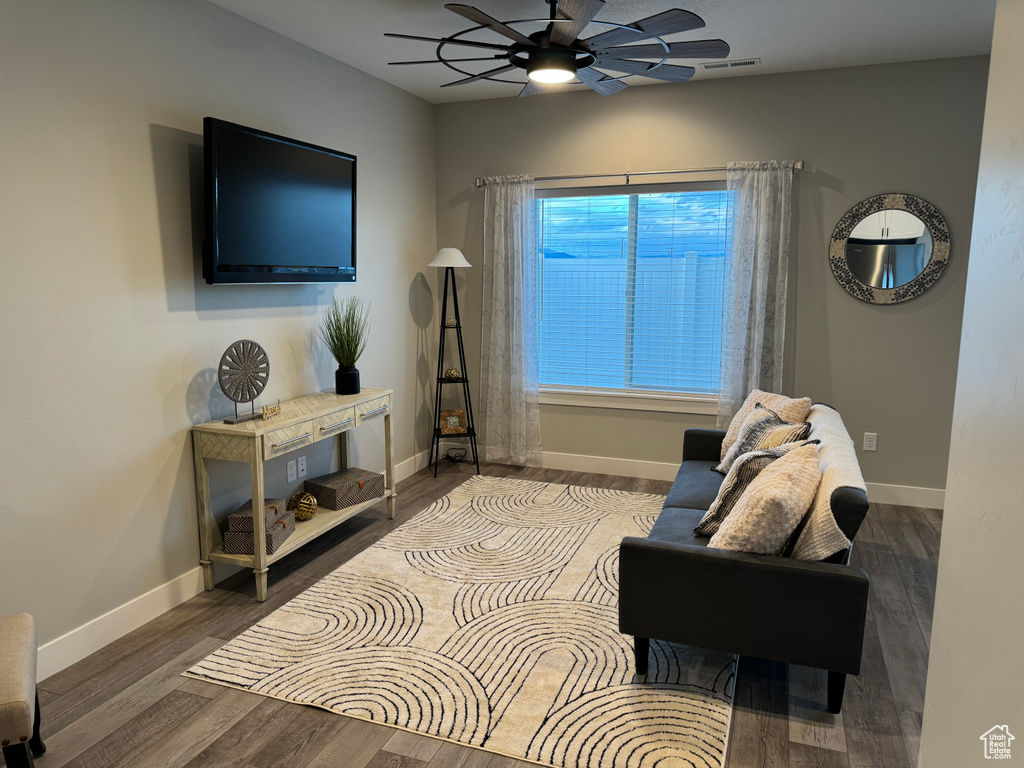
{"x": 301, "y": 423}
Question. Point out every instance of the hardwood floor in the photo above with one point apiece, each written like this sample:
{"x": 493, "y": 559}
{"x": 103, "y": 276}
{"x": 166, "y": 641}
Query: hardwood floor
{"x": 127, "y": 705}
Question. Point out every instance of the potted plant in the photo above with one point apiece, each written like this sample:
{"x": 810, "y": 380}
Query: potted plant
{"x": 344, "y": 328}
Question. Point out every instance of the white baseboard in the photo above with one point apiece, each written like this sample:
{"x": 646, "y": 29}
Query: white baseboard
{"x": 608, "y": 465}
{"x": 93, "y": 635}
{"x": 907, "y": 495}
{"x": 411, "y": 466}
{"x": 75, "y": 645}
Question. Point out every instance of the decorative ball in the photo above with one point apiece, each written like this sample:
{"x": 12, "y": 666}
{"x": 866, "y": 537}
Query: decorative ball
{"x": 450, "y": 323}
{"x": 304, "y": 505}
{"x": 451, "y": 373}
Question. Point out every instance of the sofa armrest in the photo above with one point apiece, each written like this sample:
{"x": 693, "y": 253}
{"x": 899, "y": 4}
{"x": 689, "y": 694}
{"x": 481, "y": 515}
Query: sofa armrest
{"x": 703, "y": 444}
{"x": 754, "y": 605}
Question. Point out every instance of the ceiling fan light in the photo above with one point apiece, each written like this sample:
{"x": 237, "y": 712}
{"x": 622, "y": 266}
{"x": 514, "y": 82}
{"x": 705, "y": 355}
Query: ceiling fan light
{"x": 551, "y": 75}
{"x": 551, "y": 66}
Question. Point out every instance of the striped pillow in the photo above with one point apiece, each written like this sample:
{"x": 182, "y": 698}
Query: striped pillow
{"x": 764, "y": 428}
{"x": 741, "y": 474}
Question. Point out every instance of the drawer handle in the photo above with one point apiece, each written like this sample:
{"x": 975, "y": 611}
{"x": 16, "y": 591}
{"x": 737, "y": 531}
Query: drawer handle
{"x": 346, "y": 421}
{"x": 294, "y": 439}
{"x": 371, "y": 413}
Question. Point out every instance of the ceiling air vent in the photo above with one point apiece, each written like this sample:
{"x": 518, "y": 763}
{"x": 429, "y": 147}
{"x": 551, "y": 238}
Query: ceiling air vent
{"x": 712, "y": 65}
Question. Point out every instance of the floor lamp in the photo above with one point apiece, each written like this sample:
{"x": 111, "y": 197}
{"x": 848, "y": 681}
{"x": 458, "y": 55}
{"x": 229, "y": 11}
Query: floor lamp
{"x": 451, "y": 259}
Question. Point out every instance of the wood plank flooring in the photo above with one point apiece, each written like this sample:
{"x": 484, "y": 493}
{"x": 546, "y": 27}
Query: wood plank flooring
{"x": 126, "y": 704}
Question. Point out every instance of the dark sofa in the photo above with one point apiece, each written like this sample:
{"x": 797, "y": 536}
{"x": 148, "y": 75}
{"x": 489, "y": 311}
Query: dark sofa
{"x": 673, "y": 587}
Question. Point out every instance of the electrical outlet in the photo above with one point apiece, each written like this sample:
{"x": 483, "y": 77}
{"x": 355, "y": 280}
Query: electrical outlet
{"x": 870, "y": 441}
{"x": 302, "y": 466}
{"x": 291, "y": 471}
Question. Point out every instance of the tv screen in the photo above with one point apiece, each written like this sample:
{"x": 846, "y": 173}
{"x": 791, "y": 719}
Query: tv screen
{"x": 277, "y": 210}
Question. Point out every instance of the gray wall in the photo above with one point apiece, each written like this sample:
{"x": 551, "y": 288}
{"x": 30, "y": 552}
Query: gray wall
{"x": 109, "y": 340}
{"x": 976, "y": 666}
{"x": 893, "y": 128}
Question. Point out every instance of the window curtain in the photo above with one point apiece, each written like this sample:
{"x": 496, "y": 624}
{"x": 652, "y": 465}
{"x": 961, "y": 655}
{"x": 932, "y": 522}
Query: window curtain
{"x": 510, "y": 359}
{"x": 754, "y": 309}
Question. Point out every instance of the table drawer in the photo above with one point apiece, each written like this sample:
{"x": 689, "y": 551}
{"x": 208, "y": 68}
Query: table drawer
{"x": 372, "y": 409}
{"x": 287, "y": 439}
{"x": 334, "y": 423}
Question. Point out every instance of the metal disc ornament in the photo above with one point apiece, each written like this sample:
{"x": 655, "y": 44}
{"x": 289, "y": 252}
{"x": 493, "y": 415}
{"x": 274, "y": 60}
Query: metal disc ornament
{"x": 243, "y": 372}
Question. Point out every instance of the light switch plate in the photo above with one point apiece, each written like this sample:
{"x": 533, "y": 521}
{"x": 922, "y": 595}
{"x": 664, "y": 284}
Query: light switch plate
{"x": 291, "y": 471}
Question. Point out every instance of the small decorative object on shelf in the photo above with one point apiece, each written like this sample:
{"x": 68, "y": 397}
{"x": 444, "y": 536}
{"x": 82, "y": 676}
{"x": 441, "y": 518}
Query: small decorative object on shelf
{"x": 270, "y": 411}
{"x": 346, "y": 488}
{"x": 241, "y": 542}
{"x": 453, "y": 421}
{"x": 243, "y": 372}
{"x": 457, "y": 422}
{"x": 273, "y": 510}
{"x": 344, "y": 329}
{"x": 304, "y": 505}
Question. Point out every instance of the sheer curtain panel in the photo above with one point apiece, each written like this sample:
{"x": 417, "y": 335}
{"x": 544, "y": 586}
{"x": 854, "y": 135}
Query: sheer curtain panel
{"x": 510, "y": 423}
{"x": 754, "y": 307}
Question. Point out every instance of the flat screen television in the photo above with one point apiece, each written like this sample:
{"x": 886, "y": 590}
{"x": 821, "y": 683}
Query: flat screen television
{"x": 277, "y": 210}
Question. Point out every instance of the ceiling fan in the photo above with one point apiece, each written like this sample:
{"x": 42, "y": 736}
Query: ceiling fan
{"x": 556, "y": 55}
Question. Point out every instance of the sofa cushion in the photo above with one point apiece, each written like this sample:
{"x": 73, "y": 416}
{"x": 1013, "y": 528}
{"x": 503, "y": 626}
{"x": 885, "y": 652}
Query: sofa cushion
{"x": 675, "y": 525}
{"x": 695, "y": 486}
{"x": 788, "y": 408}
{"x": 764, "y": 428}
{"x": 822, "y": 533}
{"x": 741, "y": 474}
{"x": 772, "y": 506}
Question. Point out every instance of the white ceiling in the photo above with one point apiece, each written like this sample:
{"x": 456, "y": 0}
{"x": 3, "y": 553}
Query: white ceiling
{"x": 787, "y": 35}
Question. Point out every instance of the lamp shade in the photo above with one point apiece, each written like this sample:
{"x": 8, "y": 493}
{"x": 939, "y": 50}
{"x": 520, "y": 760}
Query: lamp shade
{"x": 449, "y": 257}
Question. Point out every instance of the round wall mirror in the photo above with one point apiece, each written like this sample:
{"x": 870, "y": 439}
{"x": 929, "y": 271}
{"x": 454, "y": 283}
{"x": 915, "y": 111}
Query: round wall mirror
{"x": 889, "y": 248}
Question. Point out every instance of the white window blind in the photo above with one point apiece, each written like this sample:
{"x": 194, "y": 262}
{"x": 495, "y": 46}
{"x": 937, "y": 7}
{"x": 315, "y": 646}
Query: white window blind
{"x": 632, "y": 286}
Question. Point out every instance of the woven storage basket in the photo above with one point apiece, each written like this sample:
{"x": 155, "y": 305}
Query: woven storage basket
{"x": 346, "y": 488}
{"x": 241, "y": 520}
{"x": 240, "y": 542}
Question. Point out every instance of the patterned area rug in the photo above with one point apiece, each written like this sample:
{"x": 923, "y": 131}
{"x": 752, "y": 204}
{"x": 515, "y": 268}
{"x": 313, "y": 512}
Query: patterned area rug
{"x": 490, "y": 620}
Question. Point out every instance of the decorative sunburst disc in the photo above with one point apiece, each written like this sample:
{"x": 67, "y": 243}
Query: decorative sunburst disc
{"x": 244, "y": 371}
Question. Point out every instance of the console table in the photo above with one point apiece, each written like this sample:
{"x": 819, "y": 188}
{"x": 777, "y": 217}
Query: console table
{"x": 300, "y": 423}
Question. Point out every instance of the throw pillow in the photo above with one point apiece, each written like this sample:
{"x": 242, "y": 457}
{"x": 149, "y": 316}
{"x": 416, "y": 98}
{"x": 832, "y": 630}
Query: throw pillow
{"x": 788, "y": 408}
{"x": 768, "y": 512}
{"x": 741, "y": 474}
{"x": 763, "y": 429}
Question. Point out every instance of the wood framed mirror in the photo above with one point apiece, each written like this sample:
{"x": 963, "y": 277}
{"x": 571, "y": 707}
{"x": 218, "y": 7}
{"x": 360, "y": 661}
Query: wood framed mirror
{"x": 889, "y": 248}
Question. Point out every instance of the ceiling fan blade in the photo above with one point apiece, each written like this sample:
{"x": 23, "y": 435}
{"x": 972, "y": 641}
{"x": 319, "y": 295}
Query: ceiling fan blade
{"x": 452, "y": 40}
{"x": 691, "y": 49}
{"x": 594, "y": 79}
{"x": 669, "y": 72}
{"x": 666, "y": 23}
{"x": 478, "y": 16}
{"x": 580, "y": 13}
{"x": 532, "y": 88}
{"x": 481, "y": 76}
{"x": 439, "y": 61}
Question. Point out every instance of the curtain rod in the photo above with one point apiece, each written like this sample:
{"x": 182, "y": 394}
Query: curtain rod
{"x": 797, "y": 166}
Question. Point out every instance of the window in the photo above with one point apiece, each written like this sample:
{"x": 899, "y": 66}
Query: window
{"x": 631, "y": 288}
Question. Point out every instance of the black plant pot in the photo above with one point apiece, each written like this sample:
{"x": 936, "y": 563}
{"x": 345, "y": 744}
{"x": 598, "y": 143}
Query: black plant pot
{"x": 346, "y": 380}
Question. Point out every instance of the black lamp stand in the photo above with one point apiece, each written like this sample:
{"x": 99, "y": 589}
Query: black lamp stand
{"x": 442, "y": 381}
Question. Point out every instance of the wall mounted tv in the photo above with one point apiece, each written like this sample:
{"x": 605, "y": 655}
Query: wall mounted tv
{"x": 277, "y": 210}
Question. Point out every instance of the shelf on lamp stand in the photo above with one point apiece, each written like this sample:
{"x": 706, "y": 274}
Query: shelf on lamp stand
{"x": 470, "y": 430}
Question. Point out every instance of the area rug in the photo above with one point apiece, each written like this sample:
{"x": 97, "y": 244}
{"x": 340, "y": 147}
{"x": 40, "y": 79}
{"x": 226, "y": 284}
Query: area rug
{"x": 490, "y": 620}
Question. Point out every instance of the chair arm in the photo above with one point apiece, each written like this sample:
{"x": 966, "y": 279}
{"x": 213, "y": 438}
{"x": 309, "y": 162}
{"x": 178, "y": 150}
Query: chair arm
{"x": 703, "y": 444}
{"x": 754, "y": 605}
